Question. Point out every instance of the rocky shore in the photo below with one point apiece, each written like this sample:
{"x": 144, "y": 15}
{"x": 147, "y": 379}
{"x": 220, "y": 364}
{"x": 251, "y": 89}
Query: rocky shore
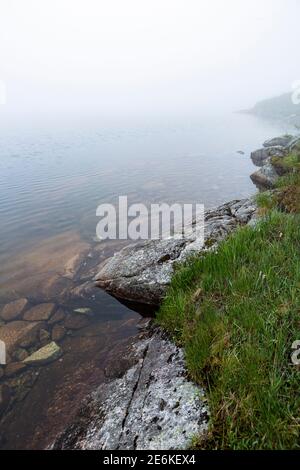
{"x": 268, "y": 159}
{"x": 142, "y": 273}
{"x": 147, "y": 400}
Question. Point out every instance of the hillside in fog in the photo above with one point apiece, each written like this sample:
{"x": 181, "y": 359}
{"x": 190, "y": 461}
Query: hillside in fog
{"x": 279, "y": 107}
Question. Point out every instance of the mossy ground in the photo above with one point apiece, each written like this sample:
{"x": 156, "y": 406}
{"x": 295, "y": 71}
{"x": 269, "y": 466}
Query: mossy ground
{"x": 236, "y": 312}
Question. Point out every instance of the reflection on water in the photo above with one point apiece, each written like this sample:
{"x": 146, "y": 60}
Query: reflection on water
{"x": 51, "y": 181}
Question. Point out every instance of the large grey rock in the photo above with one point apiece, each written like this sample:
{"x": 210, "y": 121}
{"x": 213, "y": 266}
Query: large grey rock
{"x": 142, "y": 272}
{"x": 265, "y": 177}
{"x": 260, "y": 156}
{"x": 283, "y": 140}
{"x": 152, "y": 406}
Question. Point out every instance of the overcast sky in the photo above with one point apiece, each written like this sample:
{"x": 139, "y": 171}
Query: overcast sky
{"x": 121, "y": 57}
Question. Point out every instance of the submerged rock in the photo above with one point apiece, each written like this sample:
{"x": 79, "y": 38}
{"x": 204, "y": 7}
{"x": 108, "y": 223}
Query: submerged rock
{"x": 48, "y": 353}
{"x": 19, "y": 334}
{"x": 152, "y": 405}
{"x": 14, "y": 368}
{"x": 76, "y": 322}
{"x": 142, "y": 272}
{"x": 58, "y": 316}
{"x": 40, "y": 312}
{"x": 14, "y": 309}
{"x": 58, "y": 332}
{"x": 83, "y": 311}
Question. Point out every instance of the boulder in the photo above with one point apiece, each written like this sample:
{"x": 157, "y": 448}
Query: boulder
{"x": 152, "y": 405}
{"x": 260, "y": 156}
{"x": 142, "y": 272}
{"x": 41, "y": 312}
{"x": 58, "y": 333}
{"x": 283, "y": 140}
{"x": 45, "y": 355}
{"x": 14, "y": 309}
{"x": 58, "y": 316}
{"x": 44, "y": 336}
{"x": 14, "y": 368}
{"x": 19, "y": 334}
{"x": 20, "y": 354}
{"x": 265, "y": 177}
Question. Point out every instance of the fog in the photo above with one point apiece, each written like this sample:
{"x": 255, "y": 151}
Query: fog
{"x": 142, "y": 58}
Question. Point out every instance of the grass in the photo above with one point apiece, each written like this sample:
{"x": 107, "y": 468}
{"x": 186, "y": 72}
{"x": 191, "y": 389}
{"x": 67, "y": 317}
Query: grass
{"x": 236, "y": 312}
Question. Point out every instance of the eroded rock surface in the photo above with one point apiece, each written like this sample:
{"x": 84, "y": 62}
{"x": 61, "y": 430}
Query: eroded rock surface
{"x": 149, "y": 405}
{"x": 142, "y": 272}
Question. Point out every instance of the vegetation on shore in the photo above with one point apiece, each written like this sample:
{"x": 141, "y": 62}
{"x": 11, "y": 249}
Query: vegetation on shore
{"x": 236, "y": 312}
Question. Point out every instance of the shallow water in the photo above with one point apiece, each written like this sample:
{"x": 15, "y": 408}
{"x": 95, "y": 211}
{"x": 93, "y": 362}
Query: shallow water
{"x": 52, "y": 177}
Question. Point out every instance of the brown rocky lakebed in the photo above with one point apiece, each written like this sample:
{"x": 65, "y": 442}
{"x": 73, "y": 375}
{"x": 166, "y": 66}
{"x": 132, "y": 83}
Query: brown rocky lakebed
{"x": 60, "y": 333}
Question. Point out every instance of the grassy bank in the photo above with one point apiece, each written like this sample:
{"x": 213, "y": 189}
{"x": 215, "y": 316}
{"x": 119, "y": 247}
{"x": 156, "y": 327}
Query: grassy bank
{"x": 236, "y": 312}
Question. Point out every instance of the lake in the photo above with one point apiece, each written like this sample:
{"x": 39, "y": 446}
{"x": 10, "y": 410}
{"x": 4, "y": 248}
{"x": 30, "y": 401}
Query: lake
{"x": 53, "y": 175}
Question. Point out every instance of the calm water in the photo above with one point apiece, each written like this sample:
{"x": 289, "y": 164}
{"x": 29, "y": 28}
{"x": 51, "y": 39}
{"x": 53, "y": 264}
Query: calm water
{"x": 53, "y": 176}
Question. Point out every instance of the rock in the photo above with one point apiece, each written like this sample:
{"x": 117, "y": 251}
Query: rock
{"x": 20, "y": 354}
{"x": 45, "y": 355}
{"x": 58, "y": 333}
{"x": 41, "y": 312}
{"x": 260, "y": 156}
{"x": 83, "y": 311}
{"x": 14, "y": 368}
{"x": 5, "y": 396}
{"x": 14, "y": 309}
{"x": 19, "y": 334}
{"x": 294, "y": 144}
{"x": 266, "y": 177}
{"x": 151, "y": 406}
{"x": 142, "y": 272}
{"x": 22, "y": 383}
{"x": 76, "y": 322}
{"x": 58, "y": 316}
{"x": 284, "y": 141}
{"x": 44, "y": 336}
